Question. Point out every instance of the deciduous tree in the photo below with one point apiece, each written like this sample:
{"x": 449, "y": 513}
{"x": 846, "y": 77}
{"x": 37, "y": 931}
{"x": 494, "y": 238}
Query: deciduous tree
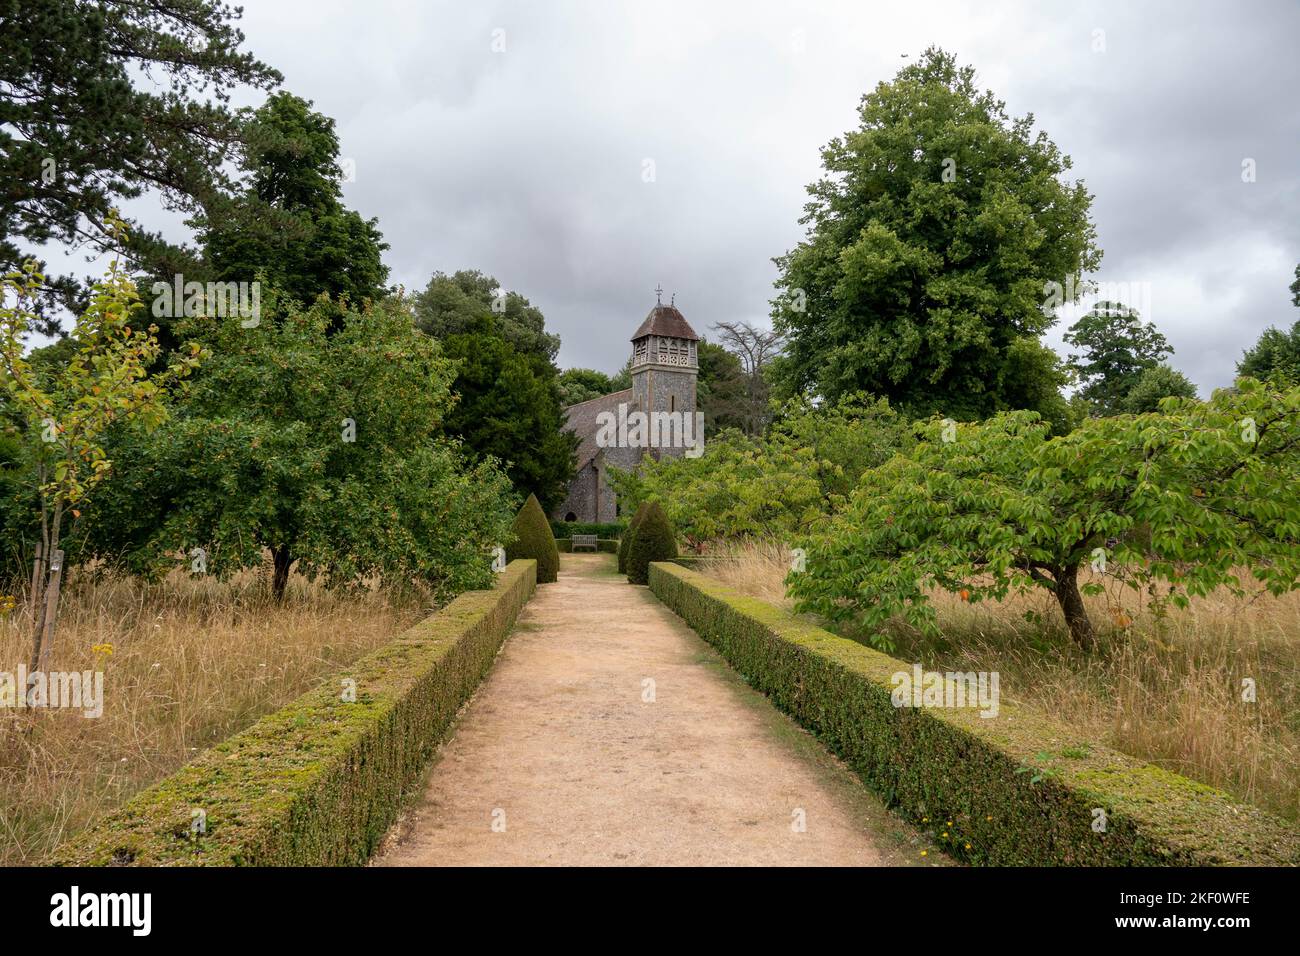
{"x": 320, "y": 440}
{"x": 930, "y": 245}
{"x": 1000, "y": 506}
{"x": 1115, "y": 348}
{"x": 67, "y": 416}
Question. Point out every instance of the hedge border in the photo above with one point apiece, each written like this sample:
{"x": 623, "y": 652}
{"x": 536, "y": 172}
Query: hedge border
{"x": 320, "y": 781}
{"x": 1019, "y": 789}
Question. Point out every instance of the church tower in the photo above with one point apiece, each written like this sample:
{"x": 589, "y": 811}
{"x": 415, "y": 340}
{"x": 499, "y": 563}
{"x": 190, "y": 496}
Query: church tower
{"x": 665, "y": 365}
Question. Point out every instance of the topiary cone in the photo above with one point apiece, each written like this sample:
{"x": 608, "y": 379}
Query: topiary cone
{"x": 654, "y": 541}
{"x": 533, "y": 539}
{"x": 626, "y": 541}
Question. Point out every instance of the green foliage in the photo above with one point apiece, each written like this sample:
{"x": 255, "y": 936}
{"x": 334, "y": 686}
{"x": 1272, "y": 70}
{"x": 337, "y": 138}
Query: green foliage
{"x": 625, "y": 543}
{"x": 1002, "y": 507}
{"x": 930, "y": 243}
{"x": 97, "y": 103}
{"x": 1116, "y": 349}
{"x": 654, "y": 541}
{"x": 582, "y": 385}
{"x": 721, "y": 390}
{"x": 1276, "y": 356}
{"x": 532, "y": 538}
{"x": 1155, "y": 384}
{"x": 776, "y": 486}
{"x": 290, "y": 227}
{"x": 66, "y": 411}
{"x": 742, "y": 392}
{"x": 509, "y": 409}
{"x": 104, "y": 381}
{"x": 952, "y": 764}
{"x": 325, "y": 447}
{"x": 16, "y": 506}
{"x": 319, "y": 782}
{"x": 623, "y": 378}
{"x": 459, "y": 304}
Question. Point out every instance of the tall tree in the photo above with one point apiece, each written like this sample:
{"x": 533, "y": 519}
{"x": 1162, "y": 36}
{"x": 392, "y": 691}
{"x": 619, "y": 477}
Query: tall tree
{"x": 1275, "y": 355}
{"x": 97, "y": 104}
{"x": 930, "y": 242}
{"x": 1115, "y": 348}
{"x": 756, "y": 349}
{"x": 582, "y": 385}
{"x": 509, "y": 408}
{"x": 290, "y": 225}
{"x": 722, "y": 390}
{"x": 1153, "y": 386}
{"x": 452, "y": 304}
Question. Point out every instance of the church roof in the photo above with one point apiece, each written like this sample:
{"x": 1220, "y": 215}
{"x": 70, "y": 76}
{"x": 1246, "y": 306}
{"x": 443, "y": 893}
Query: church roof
{"x": 582, "y": 419}
{"x": 665, "y": 320}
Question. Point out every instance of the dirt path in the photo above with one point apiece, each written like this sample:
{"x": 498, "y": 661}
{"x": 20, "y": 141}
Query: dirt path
{"x": 609, "y": 733}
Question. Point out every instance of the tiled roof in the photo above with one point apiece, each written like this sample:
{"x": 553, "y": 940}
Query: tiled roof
{"x": 582, "y": 419}
{"x": 665, "y": 320}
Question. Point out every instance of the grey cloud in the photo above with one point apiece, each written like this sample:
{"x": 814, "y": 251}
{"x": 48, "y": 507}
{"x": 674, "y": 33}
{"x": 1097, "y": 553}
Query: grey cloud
{"x": 527, "y": 164}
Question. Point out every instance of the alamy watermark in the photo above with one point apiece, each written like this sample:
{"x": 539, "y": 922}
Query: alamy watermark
{"x": 637, "y": 429}
{"x": 213, "y": 299}
{"x": 1071, "y": 297}
{"x": 75, "y": 908}
{"x": 922, "y": 688}
{"x": 55, "y": 690}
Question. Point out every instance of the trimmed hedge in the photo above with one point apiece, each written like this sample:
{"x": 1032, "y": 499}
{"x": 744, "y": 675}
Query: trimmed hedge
{"x": 1019, "y": 789}
{"x": 533, "y": 539}
{"x": 319, "y": 782}
{"x": 567, "y": 529}
{"x": 603, "y": 546}
{"x": 625, "y": 540}
{"x": 654, "y": 541}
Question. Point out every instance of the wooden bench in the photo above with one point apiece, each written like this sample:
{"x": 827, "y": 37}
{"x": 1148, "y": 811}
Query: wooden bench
{"x": 584, "y": 541}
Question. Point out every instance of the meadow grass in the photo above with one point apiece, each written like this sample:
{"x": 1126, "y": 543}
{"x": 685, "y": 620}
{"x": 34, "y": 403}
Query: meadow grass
{"x": 1166, "y": 689}
{"x": 187, "y": 662}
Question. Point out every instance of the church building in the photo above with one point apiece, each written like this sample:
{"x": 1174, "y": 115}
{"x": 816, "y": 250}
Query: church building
{"x": 665, "y": 364}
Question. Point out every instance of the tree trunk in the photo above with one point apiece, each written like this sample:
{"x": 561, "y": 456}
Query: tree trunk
{"x": 36, "y": 593}
{"x": 47, "y": 612}
{"x": 280, "y": 576}
{"x": 1076, "y": 615}
{"x": 51, "y": 618}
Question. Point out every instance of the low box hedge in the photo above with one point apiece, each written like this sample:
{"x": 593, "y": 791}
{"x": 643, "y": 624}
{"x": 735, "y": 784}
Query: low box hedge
{"x": 603, "y": 546}
{"x": 1018, "y": 789}
{"x": 319, "y": 782}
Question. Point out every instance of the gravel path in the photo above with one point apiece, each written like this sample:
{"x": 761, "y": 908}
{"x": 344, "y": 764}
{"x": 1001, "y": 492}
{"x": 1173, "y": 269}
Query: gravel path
{"x": 609, "y": 733}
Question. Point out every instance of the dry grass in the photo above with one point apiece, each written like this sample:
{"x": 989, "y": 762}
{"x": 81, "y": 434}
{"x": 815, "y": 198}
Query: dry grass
{"x": 192, "y": 662}
{"x": 1168, "y": 691}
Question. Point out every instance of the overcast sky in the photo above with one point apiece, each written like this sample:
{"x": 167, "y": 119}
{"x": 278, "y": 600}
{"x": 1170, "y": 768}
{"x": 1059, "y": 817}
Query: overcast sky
{"x": 514, "y": 138}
